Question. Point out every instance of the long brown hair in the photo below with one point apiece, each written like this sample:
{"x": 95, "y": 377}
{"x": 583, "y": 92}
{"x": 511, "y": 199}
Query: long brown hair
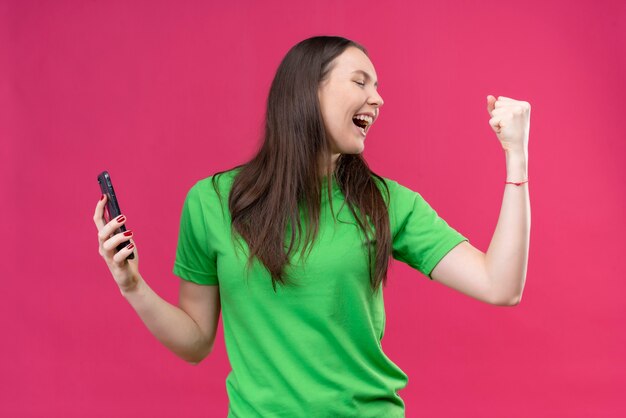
{"x": 283, "y": 178}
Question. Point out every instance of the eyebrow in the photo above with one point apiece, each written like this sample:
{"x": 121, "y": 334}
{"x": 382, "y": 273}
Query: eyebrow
{"x": 366, "y": 75}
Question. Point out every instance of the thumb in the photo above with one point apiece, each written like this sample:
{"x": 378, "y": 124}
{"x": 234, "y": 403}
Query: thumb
{"x": 491, "y": 104}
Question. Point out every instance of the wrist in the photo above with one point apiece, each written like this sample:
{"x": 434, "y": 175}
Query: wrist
{"x": 516, "y": 156}
{"x": 132, "y": 288}
{"x": 516, "y": 166}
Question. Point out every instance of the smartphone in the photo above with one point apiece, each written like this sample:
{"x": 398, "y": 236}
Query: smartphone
{"x": 113, "y": 207}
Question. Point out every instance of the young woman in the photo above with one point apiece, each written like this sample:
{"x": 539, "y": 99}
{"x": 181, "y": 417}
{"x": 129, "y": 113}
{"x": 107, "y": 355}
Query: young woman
{"x": 293, "y": 248}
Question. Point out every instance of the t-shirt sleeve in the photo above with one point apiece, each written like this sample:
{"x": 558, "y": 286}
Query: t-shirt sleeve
{"x": 421, "y": 237}
{"x": 196, "y": 260}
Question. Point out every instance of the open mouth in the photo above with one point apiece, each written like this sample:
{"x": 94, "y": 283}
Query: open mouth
{"x": 363, "y": 122}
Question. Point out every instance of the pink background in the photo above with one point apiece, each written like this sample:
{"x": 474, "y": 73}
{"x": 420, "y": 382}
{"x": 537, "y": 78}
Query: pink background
{"x": 164, "y": 93}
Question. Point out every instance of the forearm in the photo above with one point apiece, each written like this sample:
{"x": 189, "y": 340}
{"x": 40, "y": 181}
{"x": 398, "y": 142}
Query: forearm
{"x": 172, "y": 326}
{"x": 507, "y": 256}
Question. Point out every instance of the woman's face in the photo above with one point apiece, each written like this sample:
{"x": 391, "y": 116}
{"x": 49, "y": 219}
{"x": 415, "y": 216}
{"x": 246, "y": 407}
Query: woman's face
{"x": 348, "y": 98}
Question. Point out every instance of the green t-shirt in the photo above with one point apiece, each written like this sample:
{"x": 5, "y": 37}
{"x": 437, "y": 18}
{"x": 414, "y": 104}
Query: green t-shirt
{"x": 311, "y": 350}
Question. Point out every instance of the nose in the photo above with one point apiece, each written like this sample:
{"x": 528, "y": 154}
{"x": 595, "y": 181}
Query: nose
{"x": 376, "y": 99}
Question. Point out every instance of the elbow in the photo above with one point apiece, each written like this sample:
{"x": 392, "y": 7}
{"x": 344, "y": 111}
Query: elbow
{"x": 505, "y": 298}
{"x": 197, "y": 358}
{"x": 515, "y": 301}
{"x": 509, "y": 301}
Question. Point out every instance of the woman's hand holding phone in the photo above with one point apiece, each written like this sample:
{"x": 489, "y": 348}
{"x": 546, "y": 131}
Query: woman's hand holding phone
{"x": 124, "y": 271}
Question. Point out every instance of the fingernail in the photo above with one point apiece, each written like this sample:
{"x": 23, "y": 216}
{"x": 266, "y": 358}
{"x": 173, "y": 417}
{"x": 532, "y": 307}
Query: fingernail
{"x": 130, "y": 246}
{"x": 102, "y": 197}
{"x": 128, "y": 233}
{"x": 120, "y": 219}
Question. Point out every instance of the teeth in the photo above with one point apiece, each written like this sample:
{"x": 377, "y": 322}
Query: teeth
{"x": 366, "y": 118}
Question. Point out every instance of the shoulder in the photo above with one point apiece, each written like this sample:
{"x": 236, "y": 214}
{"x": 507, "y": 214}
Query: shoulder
{"x": 210, "y": 194}
{"x": 398, "y": 194}
{"x": 219, "y": 183}
{"x": 403, "y": 203}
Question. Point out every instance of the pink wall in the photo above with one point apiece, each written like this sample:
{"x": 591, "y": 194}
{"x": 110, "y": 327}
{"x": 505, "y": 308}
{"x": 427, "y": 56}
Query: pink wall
{"x": 165, "y": 93}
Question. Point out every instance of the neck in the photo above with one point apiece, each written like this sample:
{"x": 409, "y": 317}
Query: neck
{"x": 333, "y": 164}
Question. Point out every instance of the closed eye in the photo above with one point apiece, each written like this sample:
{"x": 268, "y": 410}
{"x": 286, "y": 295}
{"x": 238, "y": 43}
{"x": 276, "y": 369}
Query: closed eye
{"x": 360, "y": 83}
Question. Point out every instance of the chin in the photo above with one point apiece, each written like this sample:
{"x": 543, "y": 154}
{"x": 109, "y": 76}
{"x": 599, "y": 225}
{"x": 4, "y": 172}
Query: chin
{"x": 350, "y": 147}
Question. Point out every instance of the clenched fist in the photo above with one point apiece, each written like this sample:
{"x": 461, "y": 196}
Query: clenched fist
{"x": 510, "y": 120}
